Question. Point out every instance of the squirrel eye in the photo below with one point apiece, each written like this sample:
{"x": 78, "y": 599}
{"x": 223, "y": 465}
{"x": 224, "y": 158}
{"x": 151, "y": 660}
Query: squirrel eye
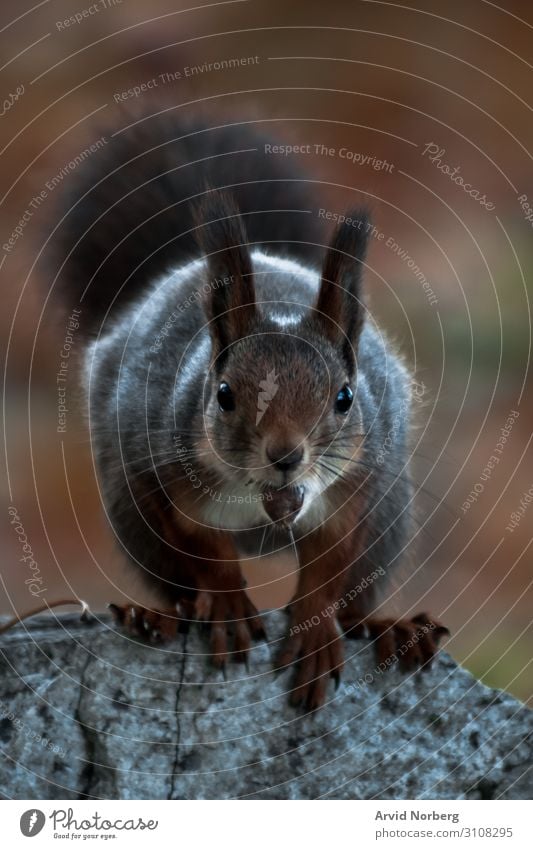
{"x": 225, "y": 398}
{"x": 344, "y": 399}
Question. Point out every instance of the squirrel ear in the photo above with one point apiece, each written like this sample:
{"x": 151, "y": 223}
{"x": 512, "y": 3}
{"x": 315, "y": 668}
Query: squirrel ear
{"x": 230, "y": 303}
{"x": 339, "y": 308}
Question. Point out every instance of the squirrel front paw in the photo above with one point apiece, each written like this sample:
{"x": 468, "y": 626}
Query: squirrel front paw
{"x": 317, "y": 655}
{"x": 413, "y": 643}
{"x": 225, "y": 612}
{"x": 154, "y": 626}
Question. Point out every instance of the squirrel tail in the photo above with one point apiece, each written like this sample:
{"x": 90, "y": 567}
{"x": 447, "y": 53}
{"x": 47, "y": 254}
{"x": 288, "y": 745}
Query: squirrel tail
{"x": 129, "y": 212}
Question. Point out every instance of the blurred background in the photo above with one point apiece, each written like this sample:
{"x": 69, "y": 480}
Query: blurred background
{"x": 405, "y": 101}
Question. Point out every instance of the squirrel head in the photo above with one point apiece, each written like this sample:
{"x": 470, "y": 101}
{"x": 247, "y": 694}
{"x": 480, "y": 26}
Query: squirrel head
{"x": 280, "y": 403}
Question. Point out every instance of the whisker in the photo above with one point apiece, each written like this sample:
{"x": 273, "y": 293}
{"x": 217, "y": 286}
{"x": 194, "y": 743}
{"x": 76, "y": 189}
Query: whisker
{"x": 293, "y": 541}
{"x": 262, "y": 540}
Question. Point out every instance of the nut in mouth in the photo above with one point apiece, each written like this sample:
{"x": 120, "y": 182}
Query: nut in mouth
{"x": 283, "y": 505}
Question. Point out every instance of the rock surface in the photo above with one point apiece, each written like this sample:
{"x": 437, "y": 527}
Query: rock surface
{"x": 88, "y": 712}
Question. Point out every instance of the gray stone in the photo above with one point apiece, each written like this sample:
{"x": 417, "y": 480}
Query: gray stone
{"x": 86, "y": 711}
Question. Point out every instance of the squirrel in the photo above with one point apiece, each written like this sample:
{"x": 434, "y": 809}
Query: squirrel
{"x": 237, "y": 387}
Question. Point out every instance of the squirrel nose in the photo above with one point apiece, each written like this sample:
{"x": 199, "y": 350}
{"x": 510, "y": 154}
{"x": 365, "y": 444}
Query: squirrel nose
{"x": 285, "y": 459}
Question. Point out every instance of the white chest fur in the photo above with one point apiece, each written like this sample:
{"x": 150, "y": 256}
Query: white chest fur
{"x": 235, "y": 508}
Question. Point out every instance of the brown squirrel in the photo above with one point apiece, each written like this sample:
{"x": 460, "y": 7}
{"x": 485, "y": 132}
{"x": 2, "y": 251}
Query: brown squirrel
{"x": 237, "y": 388}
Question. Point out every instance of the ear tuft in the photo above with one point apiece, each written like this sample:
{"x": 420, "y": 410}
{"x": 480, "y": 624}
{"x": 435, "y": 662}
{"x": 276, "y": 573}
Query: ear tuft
{"x": 231, "y": 298}
{"x": 339, "y": 306}
{"x": 221, "y": 233}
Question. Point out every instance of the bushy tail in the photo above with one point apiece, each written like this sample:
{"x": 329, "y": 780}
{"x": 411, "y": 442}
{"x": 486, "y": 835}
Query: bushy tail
{"x": 129, "y": 210}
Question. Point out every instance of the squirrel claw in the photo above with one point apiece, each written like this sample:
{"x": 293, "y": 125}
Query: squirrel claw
{"x": 317, "y": 657}
{"x": 277, "y": 670}
{"x": 153, "y": 626}
{"x": 229, "y": 611}
{"x": 241, "y": 656}
{"x": 184, "y": 626}
{"x": 260, "y": 635}
{"x": 117, "y": 612}
{"x": 413, "y": 642}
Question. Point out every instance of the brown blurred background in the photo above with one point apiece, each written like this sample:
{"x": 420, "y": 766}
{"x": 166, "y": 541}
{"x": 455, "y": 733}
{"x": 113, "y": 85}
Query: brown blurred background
{"x": 381, "y": 80}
